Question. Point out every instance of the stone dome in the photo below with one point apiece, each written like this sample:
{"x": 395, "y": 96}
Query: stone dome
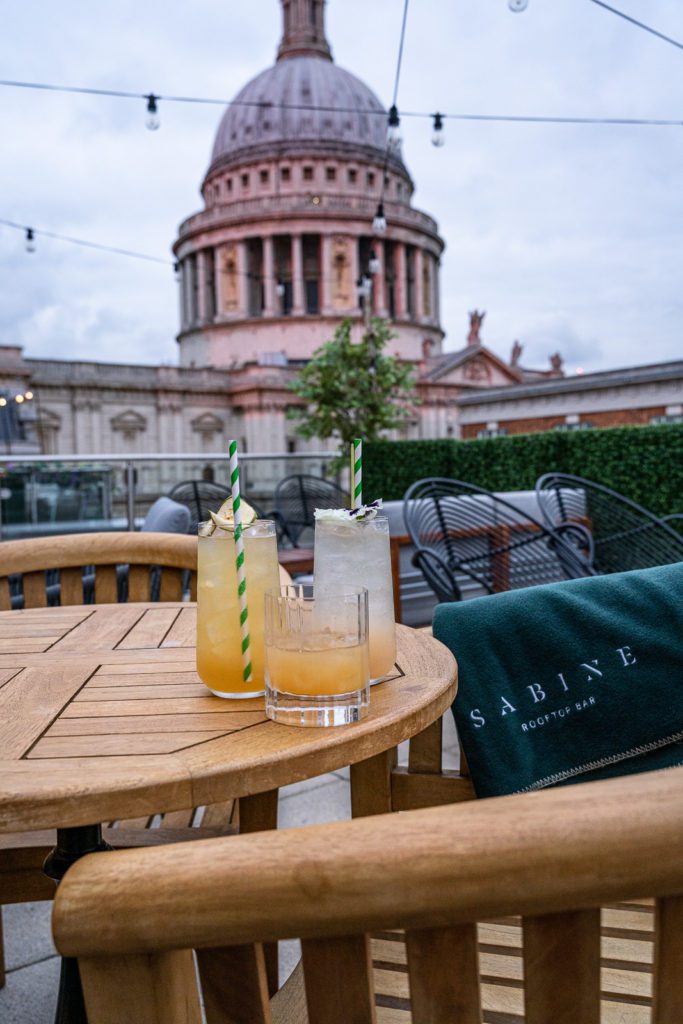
{"x": 308, "y": 81}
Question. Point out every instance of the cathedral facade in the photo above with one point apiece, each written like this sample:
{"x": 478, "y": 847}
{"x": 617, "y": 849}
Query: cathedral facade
{"x": 283, "y": 249}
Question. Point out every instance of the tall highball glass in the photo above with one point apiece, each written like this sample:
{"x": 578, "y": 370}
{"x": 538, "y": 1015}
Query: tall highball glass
{"x": 356, "y": 552}
{"x": 219, "y": 641}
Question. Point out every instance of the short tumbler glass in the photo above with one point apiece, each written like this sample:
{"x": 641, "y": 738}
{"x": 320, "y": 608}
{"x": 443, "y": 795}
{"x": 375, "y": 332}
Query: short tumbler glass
{"x": 317, "y": 670}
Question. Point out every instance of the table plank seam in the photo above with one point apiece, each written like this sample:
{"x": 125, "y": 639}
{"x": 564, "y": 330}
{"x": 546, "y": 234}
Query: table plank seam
{"x": 52, "y": 721}
{"x": 129, "y": 630}
{"x": 13, "y": 676}
{"x": 71, "y": 629}
{"x": 162, "y": 607}
{"x": 176, "y": 617}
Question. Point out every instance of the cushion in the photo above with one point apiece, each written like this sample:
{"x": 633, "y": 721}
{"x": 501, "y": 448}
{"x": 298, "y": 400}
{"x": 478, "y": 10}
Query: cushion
{"x": 569, "y": 681}
{"x": 167, "y": 516}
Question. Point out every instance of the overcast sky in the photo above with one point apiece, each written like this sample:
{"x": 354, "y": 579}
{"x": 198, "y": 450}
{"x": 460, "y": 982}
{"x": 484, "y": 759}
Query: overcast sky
{"x": 569, "y": 237}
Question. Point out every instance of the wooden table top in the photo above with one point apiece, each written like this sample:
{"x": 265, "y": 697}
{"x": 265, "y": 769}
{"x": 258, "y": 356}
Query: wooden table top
{"x": 103, "y": 716}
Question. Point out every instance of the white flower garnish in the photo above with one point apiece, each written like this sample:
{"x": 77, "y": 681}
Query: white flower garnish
{"x": 349, "y": 515}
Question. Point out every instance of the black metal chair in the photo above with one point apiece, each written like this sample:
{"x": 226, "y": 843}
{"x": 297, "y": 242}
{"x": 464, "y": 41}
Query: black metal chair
{"x": 621, "y": 534}
{"x": 296, "y": 499}
{"x": 467, "y": 538}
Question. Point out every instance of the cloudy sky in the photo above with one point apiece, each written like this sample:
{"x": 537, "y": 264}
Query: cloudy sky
{"x": 568, "y": 236}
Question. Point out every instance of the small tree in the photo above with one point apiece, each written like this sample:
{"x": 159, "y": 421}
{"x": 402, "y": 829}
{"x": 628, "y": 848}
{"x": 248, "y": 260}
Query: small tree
{"x": 352, "y": 389}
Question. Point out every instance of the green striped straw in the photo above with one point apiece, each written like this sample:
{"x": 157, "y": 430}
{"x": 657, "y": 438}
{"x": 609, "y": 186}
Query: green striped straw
{"x": 356, "y": 472}
{"x": 239, "y": 560}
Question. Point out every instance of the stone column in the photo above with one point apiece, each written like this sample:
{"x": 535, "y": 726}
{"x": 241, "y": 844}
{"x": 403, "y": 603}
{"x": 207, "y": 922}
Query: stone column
{"x": 326, "y": 271}
{"x": 379, "y": 281}
{"x": 400, "y": 282}
{"x": 297, "y": 276}
{"x": 201, "y": 287}
{"x": 355, "y": 272}
{"x": 242, "y": 278}
{"x": 419, "y": 296}
{"x": 187, "y": 293}
{"x": 270, "y": 303}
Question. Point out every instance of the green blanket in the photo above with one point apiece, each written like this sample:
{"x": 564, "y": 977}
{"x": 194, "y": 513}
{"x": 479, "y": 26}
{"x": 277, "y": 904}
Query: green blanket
{"x": 569, "y": 681}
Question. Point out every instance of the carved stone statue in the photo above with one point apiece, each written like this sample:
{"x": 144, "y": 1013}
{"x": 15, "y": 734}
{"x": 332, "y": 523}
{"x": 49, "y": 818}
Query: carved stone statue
{"x": 556, "y": 362}
{"x": 476, "y": 320}
{"x": 516, "y": 355}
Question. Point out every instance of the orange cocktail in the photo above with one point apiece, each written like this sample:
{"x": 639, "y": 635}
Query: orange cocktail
{"x": 219, "y": 643}
{"x": 317, "y": 662}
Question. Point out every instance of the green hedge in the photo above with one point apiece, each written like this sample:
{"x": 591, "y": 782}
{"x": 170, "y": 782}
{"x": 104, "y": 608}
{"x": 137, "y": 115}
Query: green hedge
{"x": 644, "y": 463}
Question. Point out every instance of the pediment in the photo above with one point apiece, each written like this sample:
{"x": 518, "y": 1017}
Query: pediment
{"x": 207, "y": 423}
{"x": 129, "y": 422}
{"x": 474, "y": 367}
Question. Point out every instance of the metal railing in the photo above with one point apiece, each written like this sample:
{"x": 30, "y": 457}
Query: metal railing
{"x": 115, "y": 479}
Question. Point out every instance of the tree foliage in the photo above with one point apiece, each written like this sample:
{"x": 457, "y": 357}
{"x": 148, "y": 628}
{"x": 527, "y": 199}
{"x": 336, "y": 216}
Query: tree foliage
{"x": 352, "y": 389}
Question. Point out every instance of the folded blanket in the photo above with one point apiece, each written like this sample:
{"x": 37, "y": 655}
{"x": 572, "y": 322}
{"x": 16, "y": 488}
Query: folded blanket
{"x": 569, "y": 681}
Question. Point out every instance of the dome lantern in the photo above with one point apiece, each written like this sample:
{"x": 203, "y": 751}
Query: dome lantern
{"x": 303, "y": 30}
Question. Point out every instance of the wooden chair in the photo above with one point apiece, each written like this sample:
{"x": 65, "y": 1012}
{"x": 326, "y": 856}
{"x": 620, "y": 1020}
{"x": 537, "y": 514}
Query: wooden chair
{"x": 441, "y": 916}
{"x": 76, "y": 559}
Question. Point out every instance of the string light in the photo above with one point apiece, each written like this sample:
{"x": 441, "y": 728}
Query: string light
{"x": 379, "y": 224}
{"x": 437, "y": 131}
{"x": 30, "y": 241}
{"x": 394, "y": 126}
{"x": 153, "y": 121}
{"x": 176, "y": 271}
{"x": 18, "y": 399}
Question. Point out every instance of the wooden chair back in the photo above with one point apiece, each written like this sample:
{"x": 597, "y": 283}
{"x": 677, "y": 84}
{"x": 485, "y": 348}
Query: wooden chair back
{"x": 71, "y": 554}
{"x": 552, "y": 857}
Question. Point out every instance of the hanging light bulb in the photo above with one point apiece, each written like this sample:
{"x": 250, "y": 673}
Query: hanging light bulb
{"x": 374, "y": 265}
{"x": 280, "y": 288}
{"x": 437, "y": 132}
{"x": 18, "y": 399}
{"x": 153, "y": 120}
{"x": 379, "y": 224}
{"x": 518, "y": 5}
{"x": 30, "y": 240}
{"x": 394, "y": 129}
{"x": 28, "y": 396}
{"x": 3, "y": 401}
{"x": 176, "y": 271}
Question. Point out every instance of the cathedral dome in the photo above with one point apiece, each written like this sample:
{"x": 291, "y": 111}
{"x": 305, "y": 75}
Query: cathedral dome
{"x": 262, "y": 116}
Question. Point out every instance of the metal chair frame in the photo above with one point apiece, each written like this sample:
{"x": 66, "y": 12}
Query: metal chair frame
{"x": 623, "y": 535}
{"x": 486, "y": 538}
{"x": 296, "y": 499}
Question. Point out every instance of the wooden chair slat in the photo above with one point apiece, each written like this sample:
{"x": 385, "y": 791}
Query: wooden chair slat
{"x": 234, "y": 985}
{"x": 177, "y": 819}
{"x": 668, "y": 973}
{"x": 562, "y": 968}
{"x": 221, "y": 815}
{"x": 425, "y": 749}
{"x": 138, "y": 583}
{"x": 106, "y": 584}
{"x": 5, "y": 598}
{"x": 159, "y": 988}
{"x": 443, "y": 968}
{"x": 35, "y": 593}
{"x": 71, "y": 586}
{"x": 338, "y": 980}
{"x": 171, "y": 588}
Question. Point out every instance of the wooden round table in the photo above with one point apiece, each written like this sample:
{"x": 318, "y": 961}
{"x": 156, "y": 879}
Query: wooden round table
{"x": 103, "y": 716}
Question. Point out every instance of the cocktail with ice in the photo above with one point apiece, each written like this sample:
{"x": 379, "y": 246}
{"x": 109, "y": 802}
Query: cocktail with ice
{"x": 219, "y": 640}
{"x": 316, "y": 655}
{"x": 352, "y": 549}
